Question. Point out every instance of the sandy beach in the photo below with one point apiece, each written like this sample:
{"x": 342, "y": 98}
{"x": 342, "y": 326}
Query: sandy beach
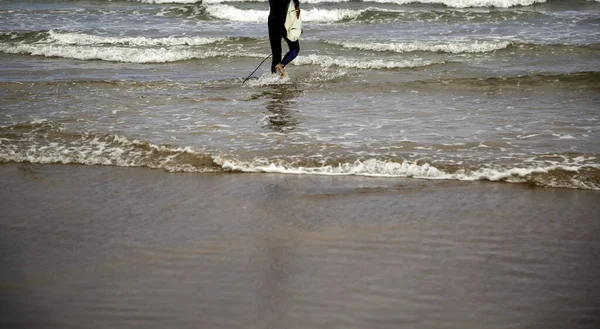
{"x": 110, "y": 247}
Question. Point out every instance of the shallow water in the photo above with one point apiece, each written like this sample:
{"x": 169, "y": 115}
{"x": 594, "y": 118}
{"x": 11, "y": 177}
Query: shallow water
{"x": 501, "y": 90}
{"x": 371, "y": 214}
{"x": 127, "y": 247}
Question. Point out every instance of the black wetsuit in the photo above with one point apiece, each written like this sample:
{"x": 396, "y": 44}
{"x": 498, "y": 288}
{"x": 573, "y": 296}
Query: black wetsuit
{"x": 277, "y": 16}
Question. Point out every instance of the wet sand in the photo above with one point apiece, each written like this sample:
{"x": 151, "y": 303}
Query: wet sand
{"x": 108, "y": 247}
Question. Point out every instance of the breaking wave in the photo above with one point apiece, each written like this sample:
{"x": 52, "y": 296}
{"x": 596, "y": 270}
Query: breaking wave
{"x": 467, "y": 3}
{"x": 328, "y": 61}
{"x": 116, "y": 54}
{"x": 170, "y": 1}
{"x": 45, "y": 141}
{"x": 231, "y": 13}
{"x": 83, "y": 39}
{"x": 369, "y": 13}
{"x": 448, "y": 3}
{"x": 447, "y": 47}
{"x": 565, "y": 176}
{"x": 144, "y": 50}
{"x": 83, "y": 46}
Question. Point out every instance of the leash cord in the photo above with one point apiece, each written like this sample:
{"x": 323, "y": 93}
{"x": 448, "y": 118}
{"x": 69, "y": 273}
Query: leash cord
{"x": 261, "y": 63}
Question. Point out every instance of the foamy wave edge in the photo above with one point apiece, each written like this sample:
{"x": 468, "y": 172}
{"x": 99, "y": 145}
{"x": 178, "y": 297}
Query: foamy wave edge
{"x": 406, "y": 169}
{"x": 328, "y": 61}
{"x": 47, "y": 142}
{"x": 318, "y": 15}
{"x": 367, "y": 168}
{"x": 91, "y": 149}
{"x": 140, "y": 50}
{"x": 466, "y": 3}
{"x": 452, "y": 47}
{"x": 448, "y": 3}
{"x": 82, "y": 39}
{"x": 117, "y": 54}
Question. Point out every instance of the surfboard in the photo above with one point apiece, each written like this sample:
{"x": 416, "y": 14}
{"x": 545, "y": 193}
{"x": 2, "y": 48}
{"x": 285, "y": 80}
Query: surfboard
{"x": 293, "y": 24}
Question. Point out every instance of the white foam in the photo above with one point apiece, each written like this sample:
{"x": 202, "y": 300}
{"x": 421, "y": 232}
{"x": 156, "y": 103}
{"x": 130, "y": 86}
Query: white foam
{"x": 226, "y": 1}
{"x": 327, "y": 61}
{"x": 170, "y": 1}
{"x": 107, "y": 150}
{"x": 447, "y": 47}
{"x": 331, "y": 15}
{"x": 117, "y": 150}
{"x": 449, "y": 3}
{"x": 378, "y": 168}
{"x": 466, "y": 3}
{"x": 527, "y": 136}
{"x": 563, "y": 136}
{"x": 268, "y": 79}
{"x": 231, "y": 13}
{"x": 326, "y": 75}
{"x": 229, "y": 1}
{"x": 74, "y": 38}
{"x": 371, "y": 167}
{"x": 118, "y": 54}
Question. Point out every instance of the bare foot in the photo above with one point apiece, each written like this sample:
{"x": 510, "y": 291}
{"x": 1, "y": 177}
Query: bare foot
{"x": 279, "y": 68}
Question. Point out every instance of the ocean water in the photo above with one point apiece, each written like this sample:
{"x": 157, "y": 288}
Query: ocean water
{"x": 498, "y": 90}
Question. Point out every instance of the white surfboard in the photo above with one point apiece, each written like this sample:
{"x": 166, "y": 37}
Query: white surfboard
{"x": 293, "y": 24}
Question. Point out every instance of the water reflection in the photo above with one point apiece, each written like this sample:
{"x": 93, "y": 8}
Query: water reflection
{"x": 276, "y": 260}
{"x": 280, "y": 116}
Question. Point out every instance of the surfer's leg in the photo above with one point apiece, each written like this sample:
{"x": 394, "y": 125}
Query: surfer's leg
{"x": 275, "y": 40}
{"x": 294, "y": 50}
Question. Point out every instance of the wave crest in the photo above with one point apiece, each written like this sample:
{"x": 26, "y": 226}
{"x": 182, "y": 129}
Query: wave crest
{"x": 48, "y": 142}
{"x": 318, "y": 15}
{"x": 467, "y": 3}
{"x": 82, "y": 39}
{"x": 118, "y": 54}
{"x": 447, "y": 47}
{"x": 83, "y": 46}
{"x": 328, "y": 61}
{"x": 555, "y": 175}
{"x": 448, "y": 3}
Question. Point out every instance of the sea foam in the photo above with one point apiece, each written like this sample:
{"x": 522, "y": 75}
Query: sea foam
{"x": 170, "y": 1}
{"x": 327, "y": 61}
{"x": 44, "y": 141}
{"x": 466, "y": 3}
{"x": 449, "y": 3}
{"x": 76, "y": 45}
{"x": 118, "y": 54}
{"x": 75, "y": 38}
{"x": 231, "y": 13}
{"x": 567, "y": 175}
{"x": 447, "y": 47}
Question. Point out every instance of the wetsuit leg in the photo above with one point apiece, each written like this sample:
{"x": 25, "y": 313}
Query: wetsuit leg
{"x": 275, "y": 39}
{"x": 294, "y": 50}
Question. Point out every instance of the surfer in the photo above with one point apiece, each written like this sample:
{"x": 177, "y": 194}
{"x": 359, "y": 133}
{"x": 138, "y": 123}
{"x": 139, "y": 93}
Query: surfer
{"x": 277, "y": 16}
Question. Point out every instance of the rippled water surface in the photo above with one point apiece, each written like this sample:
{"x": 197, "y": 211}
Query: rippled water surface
{"x": 501, "y": 90}
{"x": 348, "y": 194}
{"x": 124, "y": 247}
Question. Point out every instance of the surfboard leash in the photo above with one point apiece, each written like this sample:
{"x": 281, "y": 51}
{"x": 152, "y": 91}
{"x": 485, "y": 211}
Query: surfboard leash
{"x": 261, "y": 63}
